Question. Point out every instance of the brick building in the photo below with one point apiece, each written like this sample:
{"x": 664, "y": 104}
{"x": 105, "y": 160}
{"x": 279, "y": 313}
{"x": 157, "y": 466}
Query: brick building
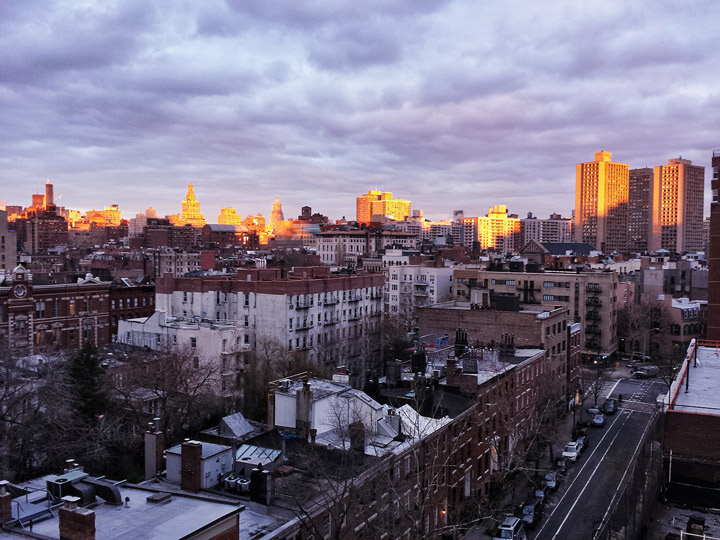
{"x": 33, "y": 317}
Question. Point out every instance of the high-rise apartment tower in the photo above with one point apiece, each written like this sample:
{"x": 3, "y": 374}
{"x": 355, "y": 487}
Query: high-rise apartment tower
{"x": 601, "y": 203}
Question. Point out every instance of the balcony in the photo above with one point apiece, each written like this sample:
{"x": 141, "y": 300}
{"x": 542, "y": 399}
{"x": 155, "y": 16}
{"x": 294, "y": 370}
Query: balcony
{"x": 420, "y": 292}
{"x": 304, "y": 326}
{"x": 593, "y": 330}
{"x": 354, "y": 317}
{"x": 355, "y": 298}
{"x": 331, "y": 301}
{"x": 593, "y": 315}
{"x": 593, "y": 301}
{"x": 331, "y": 322}
{"x": 592, "y": 344}
{"x": 303, "y": 305}
{"x": 593, "y": 288}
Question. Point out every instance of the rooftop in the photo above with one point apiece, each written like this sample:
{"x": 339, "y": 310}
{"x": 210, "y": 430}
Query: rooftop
{"x": 176, "y": 517}
{"x": 699, "y": 393}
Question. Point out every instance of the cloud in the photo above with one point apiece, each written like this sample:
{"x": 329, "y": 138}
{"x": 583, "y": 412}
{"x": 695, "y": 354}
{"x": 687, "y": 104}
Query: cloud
{"x": 450, "y": 104}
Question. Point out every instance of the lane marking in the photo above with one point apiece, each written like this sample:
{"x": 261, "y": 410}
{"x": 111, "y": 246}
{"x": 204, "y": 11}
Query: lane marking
{"x": 627, "y": 414}
{"x": 577, "y": 500}
{"x": 612, "y": 389}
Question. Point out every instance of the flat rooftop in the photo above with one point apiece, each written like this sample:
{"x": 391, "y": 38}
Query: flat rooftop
{"x": 180, "y": 515}
{"x": 701, "y": 394}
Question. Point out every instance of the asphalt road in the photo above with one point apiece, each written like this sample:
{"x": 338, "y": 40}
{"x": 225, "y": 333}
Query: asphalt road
{"x": 582, "y": 501}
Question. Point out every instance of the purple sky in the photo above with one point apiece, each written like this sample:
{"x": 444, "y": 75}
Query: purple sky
{"x": 459, "y": 104}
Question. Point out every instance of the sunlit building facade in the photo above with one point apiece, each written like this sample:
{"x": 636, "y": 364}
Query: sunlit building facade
{"x": 498, "y": 230}
{"x": 601, "y": 203}
{"x": 229, "y": 216}
{"x": 190, "y": 214}
{"x": 276, "y": 215}
{"x": 677, "y": 207}
{"x": 381, "y": 203}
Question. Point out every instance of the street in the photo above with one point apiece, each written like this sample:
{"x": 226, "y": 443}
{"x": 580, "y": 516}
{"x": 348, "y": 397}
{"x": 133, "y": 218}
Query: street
{"x": 581, "y": 504}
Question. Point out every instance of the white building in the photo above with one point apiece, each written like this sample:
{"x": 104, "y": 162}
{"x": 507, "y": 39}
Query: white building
{"x": 344, "y": 247}
{"x": 217, "y": 347}
{"x": 334, "y": 319}
{"x": 410, "y": 286}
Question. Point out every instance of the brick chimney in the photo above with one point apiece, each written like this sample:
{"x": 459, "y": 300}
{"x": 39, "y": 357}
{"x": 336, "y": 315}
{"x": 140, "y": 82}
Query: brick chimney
{"x": 154, "y": 446}
{"x": 5, "y": 502}
{"x": 190, "y": 464}
{"x": 76, "y": 523}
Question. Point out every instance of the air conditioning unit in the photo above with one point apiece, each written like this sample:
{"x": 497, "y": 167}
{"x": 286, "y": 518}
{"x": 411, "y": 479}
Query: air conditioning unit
{"x": 284, "y": 385}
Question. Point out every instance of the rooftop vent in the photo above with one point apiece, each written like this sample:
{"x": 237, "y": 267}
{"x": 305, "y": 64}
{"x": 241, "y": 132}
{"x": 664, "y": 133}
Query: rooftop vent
{"x": 159, "y": 498}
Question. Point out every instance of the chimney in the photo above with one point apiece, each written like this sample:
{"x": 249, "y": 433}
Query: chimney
{"x": 76, "y": 523}
{"x": 5, "y": 503}
{"x": 154, "y": 447}
{"x": 303, "y": 408}
{"x": 357, "y": 437}
{"x": 191, "y": 466}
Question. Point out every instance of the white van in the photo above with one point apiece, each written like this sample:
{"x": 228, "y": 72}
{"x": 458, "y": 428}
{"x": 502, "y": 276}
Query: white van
{"x": 511, "y": 529}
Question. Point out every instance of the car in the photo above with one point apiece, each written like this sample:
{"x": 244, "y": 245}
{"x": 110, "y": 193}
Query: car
{"x": 540, "y": 495}
{"x": 582, "y": 442}
{"x": 571, "y": 452}
{"x": 598, "y": 420}
{"x": 511, "y": 528}
{"x": 531, "y": 514}
{"x": 638, "y": 358}
{"x": 647, "y": 372}
{"x": 551, "y": 481}
{"x": 609, "y": 407}
{"x": 593, "y": 410}
{"x": 561, "y": 464}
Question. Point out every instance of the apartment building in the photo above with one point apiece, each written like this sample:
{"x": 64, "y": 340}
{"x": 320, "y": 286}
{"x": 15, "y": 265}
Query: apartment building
{"x": 409, "y": 287}
{"x": 344, "y": 247}
{"x": 334, "y": 319}
{"x": 589, "y": 297}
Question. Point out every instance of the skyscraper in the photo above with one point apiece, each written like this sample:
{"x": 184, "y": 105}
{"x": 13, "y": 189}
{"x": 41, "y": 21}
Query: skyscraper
{"x": 191, "y": 210}
{"x": 601, "y": 203}
{"x": 639, "y": 209}
{"x": 276, "y": 215}
{"x": 677, "y": 207}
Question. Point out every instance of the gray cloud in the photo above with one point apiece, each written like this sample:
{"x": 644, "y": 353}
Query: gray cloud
{"x": 450, "y": 104}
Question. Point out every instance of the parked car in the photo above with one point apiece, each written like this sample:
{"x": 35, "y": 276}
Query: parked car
{"x": 598, "y": 420}
{"x": 609, "y": 407}
{"x": 540, "y": 495}
{"x": 551, "y": 481}
{"x": 594, "y": 410}
{"x": 531, "y": 514}
{"x": 582, "y": 443}
{"x": 561, "y": 464}
{"x": 571, "y": 452}
{"x": 511, "y": 528}
{"x": 647, "y": 372}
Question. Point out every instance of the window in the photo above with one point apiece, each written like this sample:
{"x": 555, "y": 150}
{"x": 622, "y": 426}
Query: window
{"x": 193, "y": 342}
{"x": 196, "y": 362}
{"x": 246, "y": 320}
{"x": 224, "y": 345}
{"x": 327, "y": 525}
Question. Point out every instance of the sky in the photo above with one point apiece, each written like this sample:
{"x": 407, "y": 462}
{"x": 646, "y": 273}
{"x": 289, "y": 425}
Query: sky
{"x": 452, "y": 104}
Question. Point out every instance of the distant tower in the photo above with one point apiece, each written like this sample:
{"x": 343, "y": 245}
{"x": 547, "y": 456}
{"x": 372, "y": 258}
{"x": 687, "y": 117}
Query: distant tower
{"x": 191, "y": 210}
{"x": 48, "y": 194}
{"x": 276, "y": 216}
{"x": 601, "y": 203}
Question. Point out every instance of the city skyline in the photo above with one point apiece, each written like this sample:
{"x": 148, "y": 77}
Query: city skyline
{"x": 449, "y": 104}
